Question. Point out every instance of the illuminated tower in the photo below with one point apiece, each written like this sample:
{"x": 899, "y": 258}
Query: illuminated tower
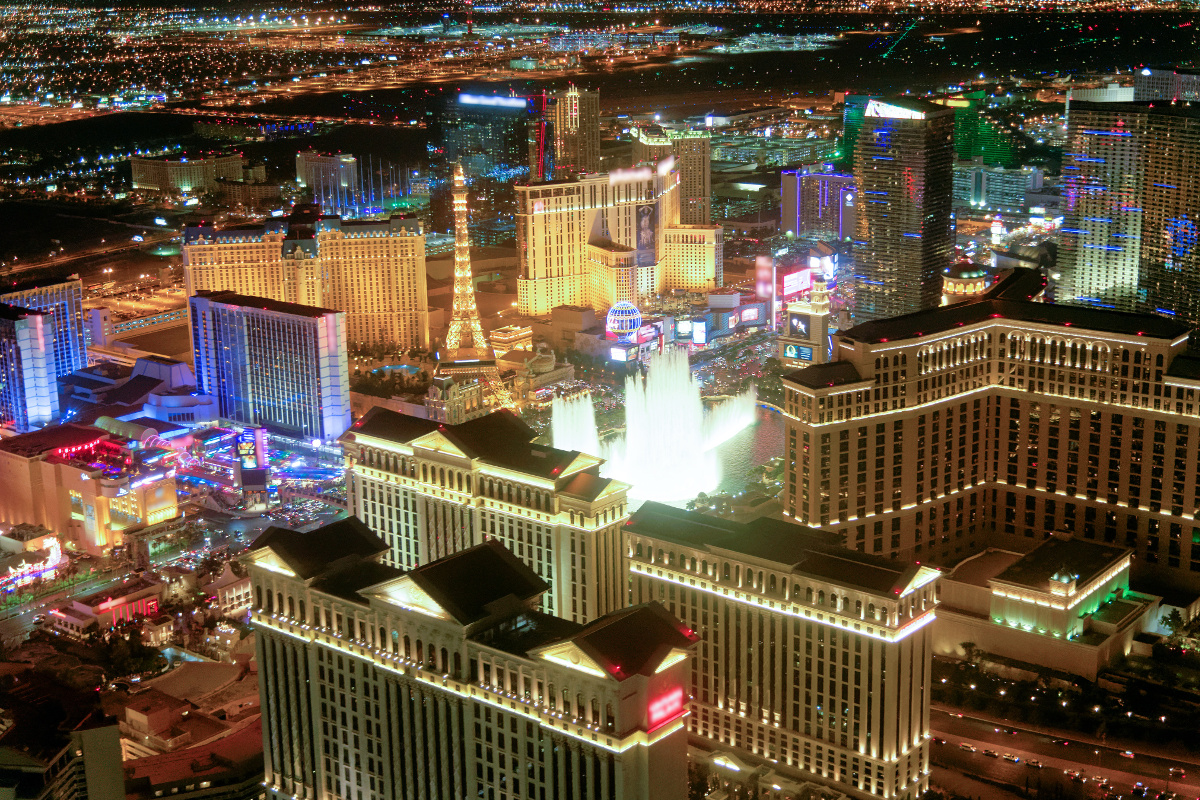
{"x": 904, "y": 159}
{"x": 476, "y": 358}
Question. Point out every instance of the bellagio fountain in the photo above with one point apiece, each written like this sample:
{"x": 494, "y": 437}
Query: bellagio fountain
{"x": 668, "y": 449}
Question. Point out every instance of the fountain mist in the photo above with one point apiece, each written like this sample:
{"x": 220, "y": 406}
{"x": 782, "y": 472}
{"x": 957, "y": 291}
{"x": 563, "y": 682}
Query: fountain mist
{"x": 667, "y": 451}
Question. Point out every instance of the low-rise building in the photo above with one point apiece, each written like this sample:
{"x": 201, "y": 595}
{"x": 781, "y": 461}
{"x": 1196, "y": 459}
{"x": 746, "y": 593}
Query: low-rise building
{"x": 85, "y": 484}
{"x": 229, "y": 592}
{"x": 1066, "y": 605}
{"x": 134, "y": 599}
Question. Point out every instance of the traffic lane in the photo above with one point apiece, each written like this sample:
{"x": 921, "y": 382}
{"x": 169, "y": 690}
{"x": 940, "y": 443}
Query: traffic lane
{"x": 957, "y": 755}
{"x": 1047, "y": 778}
{"x": 1148, "y": 767}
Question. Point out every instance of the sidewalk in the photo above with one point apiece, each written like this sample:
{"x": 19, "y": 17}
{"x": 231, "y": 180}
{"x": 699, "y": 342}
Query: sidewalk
{"x": 1176, "y": 749}
{"x": 966, "y": 786}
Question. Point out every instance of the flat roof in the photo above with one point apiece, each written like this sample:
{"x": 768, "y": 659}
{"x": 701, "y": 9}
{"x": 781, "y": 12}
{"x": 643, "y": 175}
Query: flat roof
{"x": 36, "y": 443}
{"x": 1012, "y": 298}
{"x": 979, "y": 569}
{"x": 1084, "y": 560}
{"x": 808, "y": 551}
{"x": 266, "y": 304}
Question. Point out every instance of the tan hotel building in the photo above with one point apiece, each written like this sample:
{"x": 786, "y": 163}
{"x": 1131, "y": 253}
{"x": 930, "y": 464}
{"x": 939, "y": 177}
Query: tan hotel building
{"x": 997, "y": 420}
{"x": 813, "y": 659}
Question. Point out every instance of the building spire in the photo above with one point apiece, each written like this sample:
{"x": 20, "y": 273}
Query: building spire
{"x": 467, "y": 354}
{"x": 465, "y": 332}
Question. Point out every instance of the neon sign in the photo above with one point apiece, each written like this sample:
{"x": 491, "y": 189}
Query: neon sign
{"x": 665, "y": 707}
{"x": 498, "y": 102}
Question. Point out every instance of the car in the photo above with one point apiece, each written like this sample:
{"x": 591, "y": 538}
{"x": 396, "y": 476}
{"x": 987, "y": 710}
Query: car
{"x": 938, "y": 740}
{"x": 1165, "y": 796}
{"x": 1139, "y": 790}
{"x": 1071, "y": 773}
{"x": 991, "y": 754}
{"x": 955, "y": 714}
{"x": 39, "y": 619}
{"x": 970, "y": 748}
{"x": 1012, "y": 758}
{"x": 1177, "y": 772}
{"x": 1063, "y": 742}
{"x": 1009, "y": 731}
{"x": 1102, "y": 781}
{"x": 1079, "y": 778}
{"x": 1126, "y": 754}
{"x": 1033, "y": 762}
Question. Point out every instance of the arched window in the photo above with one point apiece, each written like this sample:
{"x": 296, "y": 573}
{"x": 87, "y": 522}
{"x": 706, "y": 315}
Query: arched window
{"x": 446, "y": 659}
{"x": 407, "y": 647}
{"x": 258, "y": 597}
{"x": 458, "y": 665}
{"x": 303, "y": 615}
{"x": 291, "y": 608}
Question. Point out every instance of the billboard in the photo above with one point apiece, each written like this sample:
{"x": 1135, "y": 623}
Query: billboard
{"x": 249, "y": 448}
{"x": 647, "y": 233}
{"x": 700, "y": 332}
{"x": 799, "y": 326}
{"x": 750, "y": 315}
{"x": 764, "y": 277}
{"x": 731, "y": 321}
{"x": 618, "y": 354}
{"x": 796, "y": 282}
{"x": 683, "y": 328}
{"x": 798, "y": 352}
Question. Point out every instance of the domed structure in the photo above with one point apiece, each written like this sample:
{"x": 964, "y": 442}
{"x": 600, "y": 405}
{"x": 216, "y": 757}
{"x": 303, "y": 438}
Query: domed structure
{"x": 624, "y": 320}
{"x": 962, "y": 280}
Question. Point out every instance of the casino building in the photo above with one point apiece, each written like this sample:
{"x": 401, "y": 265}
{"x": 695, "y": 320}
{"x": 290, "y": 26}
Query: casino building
{"x": 429, "y": 489}
{"x": 813, "y": 659}
{"x": 996, "y": 421}
{"x": 448, "y": 681}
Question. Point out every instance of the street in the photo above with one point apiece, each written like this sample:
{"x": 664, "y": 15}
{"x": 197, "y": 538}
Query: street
{"x": 1094, "y": 761}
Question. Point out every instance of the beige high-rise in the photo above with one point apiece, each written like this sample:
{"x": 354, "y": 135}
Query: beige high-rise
{"x": 372, "y": 270}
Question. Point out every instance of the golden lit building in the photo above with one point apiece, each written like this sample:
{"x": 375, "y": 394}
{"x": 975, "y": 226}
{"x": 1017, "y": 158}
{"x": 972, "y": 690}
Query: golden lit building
{"x": 996, "y": 421}
{"x": 85, "y": 484}
{"x": 372, "y": 270}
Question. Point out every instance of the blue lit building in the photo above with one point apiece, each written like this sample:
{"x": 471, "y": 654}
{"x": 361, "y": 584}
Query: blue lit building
{"x": 64, "y": 301}
{"x": 270, "y": 363}
{"x": 28, "y": 391}
{"x": 904, "y": 169}
{"x": 488, "y": 133}
{"x": 1131, "y": 208}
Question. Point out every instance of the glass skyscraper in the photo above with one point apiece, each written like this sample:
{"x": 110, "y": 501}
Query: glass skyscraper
{"x": 28, "y": 393}
{"x": 904, "y": 168}
{"x": 1131, "y": 203}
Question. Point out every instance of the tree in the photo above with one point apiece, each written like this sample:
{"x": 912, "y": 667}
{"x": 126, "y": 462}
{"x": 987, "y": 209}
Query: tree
{"x": 970, "y": 652}
{"x": 1174, "y": 623}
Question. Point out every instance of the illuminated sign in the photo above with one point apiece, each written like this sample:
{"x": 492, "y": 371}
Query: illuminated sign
{"x": 618, "y": 354}
{"x": 247, "y": 448}
{"x": 665, "y": 707}
{"x": 764, "y": 277}
{"x": 878, "y": 108}
{"x": 700, "y": 332}
{"x": 647, "y": 333}
{"x": 798, "y": 352}
{"x": 683, "y": 327}
{"x": 750, "y": 315}
{"x": 796, "y": 282}
{"x": 496, "y": 102}
{"x": 799, "y": 325}
{"x": 630, "y": 175}
{"x": 731, "y": 321}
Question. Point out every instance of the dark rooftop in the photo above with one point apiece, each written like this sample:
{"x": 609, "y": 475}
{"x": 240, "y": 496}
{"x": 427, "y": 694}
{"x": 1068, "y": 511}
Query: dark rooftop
{"x": 1012, "y": 298}
{"x": 266, "y": 304}
{"x": 527, "y": 631}
{"x": 822, "y": 376}
{"x": 314, "y": 552}
{"x": 1185, "y": 365}
{"x": 36, "y": 443}
{"x": 634, "y": 641}
{"x": 44, "y": 283}
{"x": 807, "y": 550}
{"x": 471, "y": 583}
{"x": 383, "y": 423}
{"x": 347, "y": 582}
{"x": 500, "y": 438}
{"x": 586, "y": 486}
{"x": 17, "y": 312}
{"x": 1077, "y": 557}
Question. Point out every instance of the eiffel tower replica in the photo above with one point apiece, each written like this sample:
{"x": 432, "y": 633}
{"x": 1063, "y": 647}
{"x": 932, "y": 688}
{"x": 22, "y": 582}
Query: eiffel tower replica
{"x": 466, "y": 353}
